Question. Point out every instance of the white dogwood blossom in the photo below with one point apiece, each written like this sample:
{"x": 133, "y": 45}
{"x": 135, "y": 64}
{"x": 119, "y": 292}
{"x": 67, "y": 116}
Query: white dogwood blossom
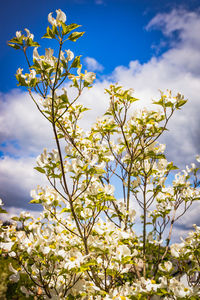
{"x": 61, "y": 17}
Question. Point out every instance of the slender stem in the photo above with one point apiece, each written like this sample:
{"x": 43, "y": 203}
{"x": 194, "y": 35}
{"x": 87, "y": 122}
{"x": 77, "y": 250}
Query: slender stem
{"x": 144, "y": 227}
{"x": 169, "y": 235}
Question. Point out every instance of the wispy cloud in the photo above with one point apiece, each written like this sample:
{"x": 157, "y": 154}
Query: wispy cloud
{"x": 92, "y": 64}
{"x": 176, "y": 69}
{"x": 17, "y": 178}
{"x": 23, "y": 131}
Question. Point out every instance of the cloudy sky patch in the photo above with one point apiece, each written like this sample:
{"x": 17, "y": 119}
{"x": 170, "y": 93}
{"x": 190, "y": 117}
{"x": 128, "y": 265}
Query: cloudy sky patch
{"x": 92, "y": 64}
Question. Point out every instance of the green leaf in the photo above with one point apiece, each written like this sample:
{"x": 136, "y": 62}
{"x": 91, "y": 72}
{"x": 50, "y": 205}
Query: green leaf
{"x": 75, "y": 83}
{"x": 132, "y": 99}
{"x": 68, "y": 28}
{"x": 160, "y": 102}
{"x": 55, "y": 176}
{"x": 164, "y": 291}
{"x": 169, "y": 104}
{"x": 3, "y": 211}
{"x": 34, "y": 44}
{"x": 76, "y": 62}
{"x": 49, "y": 34}
{"x": 60, "y": 136}
{"x": 65, "y": 209}
{"x": 16, "y": 41}
{"x": 35, "y": 201}
{"x": 46, "y": 36}
{"x": 21, "y": 80}
{"x": 39, "y": 169}
{"x": 31, "y": 43}
{"x": 172, "y": 167}
{"x": 54, "y": 30}
{"x": 64, "y": 98}
{"x": 180, "y": 103}
{"x": 14, "y": 46}
{"x": 73, "y": 26}
{"x": 75, "y": 35}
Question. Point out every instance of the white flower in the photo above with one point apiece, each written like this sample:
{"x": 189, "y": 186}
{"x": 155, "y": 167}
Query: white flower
{"x": 101, "y": 165}
{"x": 87, "y": 212}
{"x": 62, "y": 57}
{"x": 7, "y": 246}
{"x": 62, "y": 253}
{"x": 162, "y": 164}
{"x": 94, "y": 160}
{"x": 179, "y": 289}
{"x": 42, "y": 159}
{"x": 19, "y": 72}
{"x": 48, "y": 53}
{"x": 163, "y": 282}
{"x": 122, "y": 250}
{"x": 46, "y": 250}
{"x": 198, "y": 158}
{"x": 147, "y": 165}
{"x": 79, "y": 71}
{"x": 136, "y": 182}
{"x": 74, "y": 261}
{"x": 25, "y": 214}
{"x": 32, "y": 74}
{"x": 89, "y": 77}
{"x": 135, "y": 252}
{"x": 175, "y": 249}
{"x": 70, "y": 55}
{"x": 35, "y": 54}
{"x": 14, "y": 277}
{"x": 12, "y": 254}
{"x": 51, "y": 20}
{"x": 166, "y": 267}
{"x": 61, "y": 17}
{"x": 132, "y": 214}
{"x": 130, "y": 92}
{"x": 45, "y": 233}
{"x": 109, "y": 189}
{"x": 29, "y": 35}
{"x": 152, "y": 240}
{"x": 24, "y": 291}
{"x": 18, "y": 34}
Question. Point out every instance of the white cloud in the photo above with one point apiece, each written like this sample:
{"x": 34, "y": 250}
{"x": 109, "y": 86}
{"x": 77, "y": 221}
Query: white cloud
{"x": 186, "y": 222}
{"x": 22, "y": 128}
{"x": 176, "y": 69}
{"x": 17, "y": 178}
{"x": 92, "y": 64}
{"x": 182, "y": 27}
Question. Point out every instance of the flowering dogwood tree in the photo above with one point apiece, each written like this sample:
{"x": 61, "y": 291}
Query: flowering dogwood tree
{"x": 84, "y": 245}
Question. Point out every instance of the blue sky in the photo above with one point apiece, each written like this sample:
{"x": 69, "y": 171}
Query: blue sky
{"x": 115, "y": 30}
{"x": 147, "y": 45}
